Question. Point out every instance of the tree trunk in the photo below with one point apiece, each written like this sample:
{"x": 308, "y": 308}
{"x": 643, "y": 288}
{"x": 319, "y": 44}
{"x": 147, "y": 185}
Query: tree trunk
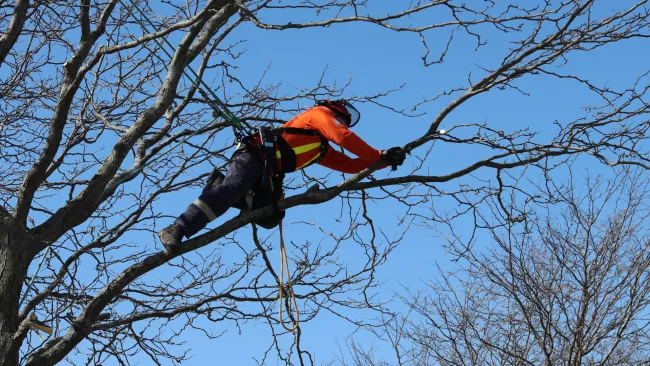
{"x": 12, "y": 274}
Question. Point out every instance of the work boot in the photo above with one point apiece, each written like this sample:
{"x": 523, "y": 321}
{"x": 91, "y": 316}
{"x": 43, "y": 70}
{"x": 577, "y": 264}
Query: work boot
{"x": 171, "y": 237}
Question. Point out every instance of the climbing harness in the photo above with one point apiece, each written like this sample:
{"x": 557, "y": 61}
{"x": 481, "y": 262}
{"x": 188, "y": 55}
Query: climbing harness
{"x": 275, "y": 146}
{"x": 278, "y": 158}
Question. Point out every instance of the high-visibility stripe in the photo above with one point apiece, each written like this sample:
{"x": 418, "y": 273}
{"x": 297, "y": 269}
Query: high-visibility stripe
{"x": 305, "y": 148}
{"x": 301, "y": 149}
{"x": 205, "y": 208}
{"x": 309, "y": 162}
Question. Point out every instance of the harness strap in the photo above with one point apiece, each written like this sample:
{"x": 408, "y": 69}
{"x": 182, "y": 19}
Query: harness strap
{"x": 286, "y": 149}
{"x": 272, "y": 146}
{"x": 269, "y": 140}
{"x": 298, "y": 131}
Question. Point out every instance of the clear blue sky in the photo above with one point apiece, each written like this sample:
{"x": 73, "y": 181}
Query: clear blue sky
{"x": 378, "y": 60}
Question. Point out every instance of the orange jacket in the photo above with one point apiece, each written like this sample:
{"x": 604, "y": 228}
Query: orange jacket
{"x": 307, "y": 148}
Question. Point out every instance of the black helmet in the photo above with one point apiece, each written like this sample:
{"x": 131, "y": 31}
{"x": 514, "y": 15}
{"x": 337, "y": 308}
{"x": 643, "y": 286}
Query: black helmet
{"x": 344, "y": 109}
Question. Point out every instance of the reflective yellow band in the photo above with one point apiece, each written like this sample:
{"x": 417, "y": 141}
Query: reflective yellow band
{"x": 309, "y": 162}
{"x": 305, "y": 148}
{"x": 300, "y": 149}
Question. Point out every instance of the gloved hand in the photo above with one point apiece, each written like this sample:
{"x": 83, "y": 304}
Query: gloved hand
{"x": 394, "y": 156}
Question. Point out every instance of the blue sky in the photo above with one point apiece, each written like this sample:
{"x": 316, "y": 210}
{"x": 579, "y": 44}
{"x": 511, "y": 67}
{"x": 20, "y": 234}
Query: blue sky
{"x": 377, "y": 60}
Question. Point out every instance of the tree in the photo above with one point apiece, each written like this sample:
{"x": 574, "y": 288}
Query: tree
{"x": 88, "y": 100}
{"x": 566, "y": 286}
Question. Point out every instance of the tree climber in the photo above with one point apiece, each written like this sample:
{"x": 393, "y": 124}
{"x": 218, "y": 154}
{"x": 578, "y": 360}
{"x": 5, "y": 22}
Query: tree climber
{"x": 302, "y": 141}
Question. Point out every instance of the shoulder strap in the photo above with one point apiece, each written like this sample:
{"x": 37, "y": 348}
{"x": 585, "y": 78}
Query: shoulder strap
{"x": 298, "y": 131}
{"x": 286, "y": 150}
{"x": 305, "y": 132}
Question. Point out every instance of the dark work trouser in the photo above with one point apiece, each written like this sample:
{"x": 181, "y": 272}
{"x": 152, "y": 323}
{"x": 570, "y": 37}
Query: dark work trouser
{"x": 245, "y": 169}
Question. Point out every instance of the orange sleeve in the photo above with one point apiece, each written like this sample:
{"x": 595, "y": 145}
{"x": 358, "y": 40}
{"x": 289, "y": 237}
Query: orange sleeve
{"x": 343, "y": 163}
{"x": 327, "y": 125}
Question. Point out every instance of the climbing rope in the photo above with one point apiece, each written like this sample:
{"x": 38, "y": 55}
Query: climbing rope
{"x": 284, "y": 265}
{"x": 221, "y": 110}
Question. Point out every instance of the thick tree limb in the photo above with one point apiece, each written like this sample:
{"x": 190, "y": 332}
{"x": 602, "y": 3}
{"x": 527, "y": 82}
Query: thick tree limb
{"x": 10, "y": 36}
{"x": 82, "y": 206}
{"x": 107, "y": 295}
{"x": 71, "y": 81}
